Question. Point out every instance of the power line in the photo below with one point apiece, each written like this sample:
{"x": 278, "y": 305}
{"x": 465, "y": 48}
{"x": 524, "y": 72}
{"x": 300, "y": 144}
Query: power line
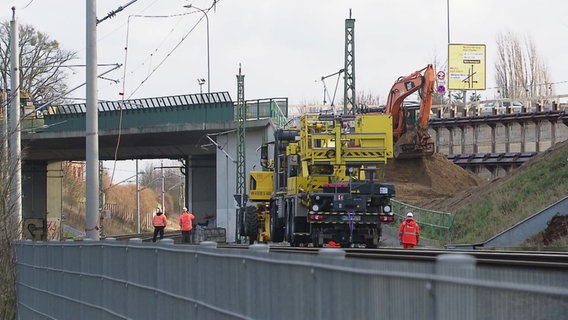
{"x": 183, "y": 38}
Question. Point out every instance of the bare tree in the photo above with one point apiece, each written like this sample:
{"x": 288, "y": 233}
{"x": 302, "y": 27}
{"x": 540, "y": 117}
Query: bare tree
{"x": 9, "y": 232}
{"x": 42, "y": 63}
{"x": 42, "y": 77}
{"x": 520, "y": 73}
{"x": 364, "y": 98}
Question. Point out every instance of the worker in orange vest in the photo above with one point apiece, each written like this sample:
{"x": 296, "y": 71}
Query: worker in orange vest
{"x": 186, "y": 224}
{"x": 160, "y": 222}
{"x": 409, "y": 232}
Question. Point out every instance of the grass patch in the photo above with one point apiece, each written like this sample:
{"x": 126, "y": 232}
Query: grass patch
{"x": 530, "y": 190}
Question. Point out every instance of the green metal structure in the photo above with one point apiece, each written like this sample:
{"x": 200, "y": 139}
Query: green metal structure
{"x": 159, "y": 111}
{"x": 349, "y": 105}
{"x": 147, "y": 112}
{"x": 274, "y": 108}
{"x": 435, "y": 225}
{"x": 241, "y": 150}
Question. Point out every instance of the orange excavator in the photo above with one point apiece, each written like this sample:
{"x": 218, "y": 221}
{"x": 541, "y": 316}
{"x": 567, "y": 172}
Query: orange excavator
{"x": 410, "y": 121}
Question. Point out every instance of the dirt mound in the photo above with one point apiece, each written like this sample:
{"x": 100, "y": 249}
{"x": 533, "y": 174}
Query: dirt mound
{"x": 466, "y": 196}
{"x": 421, "y": 181}
{"x": 438, "y": 184}
{"x": 557, "y": 228}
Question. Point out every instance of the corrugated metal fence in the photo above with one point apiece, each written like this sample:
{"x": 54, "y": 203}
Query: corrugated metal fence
{"x": 134, "y": 280}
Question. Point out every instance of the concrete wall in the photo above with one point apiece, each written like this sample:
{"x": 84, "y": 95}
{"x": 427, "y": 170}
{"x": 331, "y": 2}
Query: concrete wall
{"x": 463, "y": 142}
{"x": 226, "y": 172}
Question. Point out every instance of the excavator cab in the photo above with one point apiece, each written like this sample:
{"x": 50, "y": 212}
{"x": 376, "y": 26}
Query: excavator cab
{"x": 411, "y": 111}
{"x": 414, "y": 141}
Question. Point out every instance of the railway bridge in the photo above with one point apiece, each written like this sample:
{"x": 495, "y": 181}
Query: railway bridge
{"x": 491, "y": 144}
{"x": 175, "y": 127}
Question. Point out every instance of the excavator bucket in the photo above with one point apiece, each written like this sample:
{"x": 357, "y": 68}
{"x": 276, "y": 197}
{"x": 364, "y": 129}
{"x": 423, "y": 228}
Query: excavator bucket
{"x": 407, "y": 148}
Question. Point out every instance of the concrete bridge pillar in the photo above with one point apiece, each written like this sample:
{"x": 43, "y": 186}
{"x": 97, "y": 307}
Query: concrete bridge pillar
{"x": 201, "y": 188}
{"x": 507, "y": 137}
{"x": 523, "y": 135}
{"x": 451, "y": 140}
{"x": 54, "y": 201}
{"x": 34, "y": 200}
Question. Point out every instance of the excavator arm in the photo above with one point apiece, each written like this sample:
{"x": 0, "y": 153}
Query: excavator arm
{"x": 412, "y": 139}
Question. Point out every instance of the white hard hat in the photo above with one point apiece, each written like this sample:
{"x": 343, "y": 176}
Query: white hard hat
{"x": 410, "y": 215}
{"x": 184, "y": 209}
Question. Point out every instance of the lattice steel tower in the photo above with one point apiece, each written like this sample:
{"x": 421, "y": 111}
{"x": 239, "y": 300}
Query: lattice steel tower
{"x": 349, "y": 105}
{"x": 241, "y": 189}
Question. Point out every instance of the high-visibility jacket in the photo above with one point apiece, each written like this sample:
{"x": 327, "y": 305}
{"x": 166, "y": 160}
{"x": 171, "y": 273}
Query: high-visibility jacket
{"x": 186, "y": 221}
{"x": 160, "y": 220}
{"x": 409, "y": 231}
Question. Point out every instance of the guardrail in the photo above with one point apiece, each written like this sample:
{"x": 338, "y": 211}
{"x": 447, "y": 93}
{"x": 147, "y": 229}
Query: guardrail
{"x": 485, "y": 107}
{"x": 435, "y": 225}
{"x": 134, "y": 280}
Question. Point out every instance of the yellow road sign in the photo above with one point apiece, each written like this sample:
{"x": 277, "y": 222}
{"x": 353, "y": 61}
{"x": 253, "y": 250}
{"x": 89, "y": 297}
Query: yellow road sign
{"x": 466, "y": 66}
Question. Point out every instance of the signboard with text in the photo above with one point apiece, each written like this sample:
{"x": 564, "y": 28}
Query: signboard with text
{"x": 466, "y": 66}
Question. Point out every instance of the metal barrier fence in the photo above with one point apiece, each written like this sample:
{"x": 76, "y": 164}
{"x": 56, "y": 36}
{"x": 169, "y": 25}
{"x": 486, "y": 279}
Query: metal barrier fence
{"x": 275, "y": 108}
{"x": 435, "y": 225}
{"x": 134, "y": 280}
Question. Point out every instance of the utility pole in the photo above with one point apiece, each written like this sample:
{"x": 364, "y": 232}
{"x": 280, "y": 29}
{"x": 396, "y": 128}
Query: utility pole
{"x": 163, "y": 184}
{"x": 92, "y": 126}
{"x": 241, "y": 190}
{"x": 137, "y": 198}
{"x": 349, "y": 105}
{"x": 15, "y": 133}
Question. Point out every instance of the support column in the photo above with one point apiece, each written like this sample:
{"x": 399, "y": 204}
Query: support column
{"x": 523, "y": 136}
{"x": 455, "y": 300}
{"x": 437, "y": 140}
{"x": 507, "y": 138}
{"x": 186, "y": 182}
{"x": 34, "y": 200}
{"x": 552, "y": 133}
{"x": 54, "y": 200}
{"x": 537, "y": 127}
{"x": 450, "y": 140}
{"x": 462, "y": 130}
{"x": 475, "y": 138}
{"x": 202, "y": 197}
{"x": 493, "y": 139}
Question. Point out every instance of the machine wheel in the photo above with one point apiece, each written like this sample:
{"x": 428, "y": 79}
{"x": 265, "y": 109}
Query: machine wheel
{"x": 241, "y": 226}
{"x": 374, "y": 241}
{"x": 317, "y": 237}
{"x": 288, "y": 223}
{"x": 276, "y": 226}
{"x": 251, "y": 224}
{"x": 291, "y": 224}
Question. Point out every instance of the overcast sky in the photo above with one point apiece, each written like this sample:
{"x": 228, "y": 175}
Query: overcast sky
{"x": 285, "y": 47}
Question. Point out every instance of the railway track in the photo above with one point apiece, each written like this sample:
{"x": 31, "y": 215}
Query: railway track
{"x": 503, "y": 258}
{"x": 525, "y": 259}
{"x": 146, "y": 236}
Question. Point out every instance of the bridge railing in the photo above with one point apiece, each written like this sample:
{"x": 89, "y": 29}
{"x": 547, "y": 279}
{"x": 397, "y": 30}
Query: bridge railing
{"x": 135, "y": 113}
{"x": 435, "y": 225}
{"x": 495, "y": 106}
{"x": 275, "y": 108}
